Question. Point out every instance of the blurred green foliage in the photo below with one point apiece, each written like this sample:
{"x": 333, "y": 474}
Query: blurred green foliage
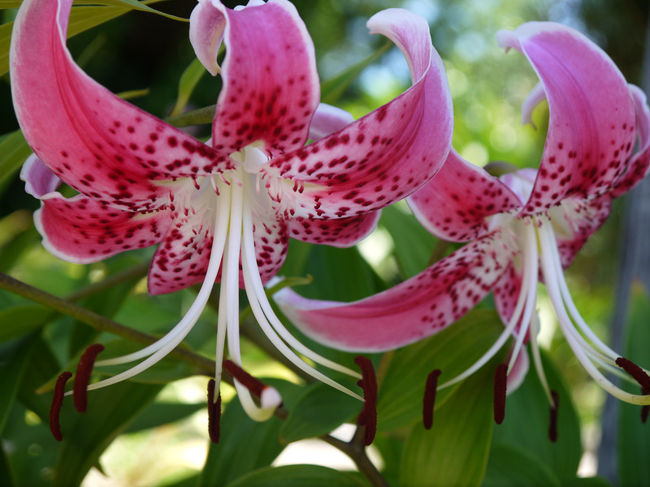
{"x": 145, "y": 51}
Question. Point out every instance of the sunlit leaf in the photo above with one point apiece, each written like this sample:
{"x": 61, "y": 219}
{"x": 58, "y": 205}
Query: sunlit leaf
{"x": 452, "y": 351}
{"x": 512, "y": 467}
{"x": 86, "y": 436}
{"x": 455, "y": 451}
{"x": 297, "y": 476}
{"x": 633, "y": 437}
{"x": 319, "y": 410}
{"x": 189, "y": 79}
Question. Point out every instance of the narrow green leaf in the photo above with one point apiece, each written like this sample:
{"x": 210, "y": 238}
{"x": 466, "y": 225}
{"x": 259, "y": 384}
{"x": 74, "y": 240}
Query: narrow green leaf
{"x": 332, "y": 89}
{"x": 455, "y": 451}
{"x": 81, "y": 19}
{"x": 189, "y": 79}
{"x": 527, "y": 409}
{"x": 451, "y": 350}
{"x": 86, "y": 436}
{"x": 19, "y": 320}
{"x": 14, "y": 357}
{"x": 319, "y": 410}
{"x": 633, "y": 437}
{"x": 512, "y": 467}
{"x": 297, "y": 476}
{"x": 413, "y": 244}
{"x": 200, "y": 116}
{"x": 13, "y": 152}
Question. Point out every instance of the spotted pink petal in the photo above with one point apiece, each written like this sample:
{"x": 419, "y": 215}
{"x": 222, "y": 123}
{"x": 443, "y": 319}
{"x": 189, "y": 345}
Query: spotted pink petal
{"x": 640, "y": 162}
{"x": 39, "y": 179}
{"x": 103, "y": 146}
{"x": 506, "y": 292}
{"x": 591, "y": 127}
{"x": 327, "y": 120}
{"x": 412, "y": 310}
{"x": 518, "y": 373}
{"x": 270, "y": 83}
{"x": 271, "y": 238}
{"x": 181, "y": 259}
{"x": 454, "y": 205}
{"x": 390, "y": 152}
{"x": 207, "y": 24}
{"x": 82, "y": 230}
{"x": 340, "y": 232}
{"x": 575, "y": 220}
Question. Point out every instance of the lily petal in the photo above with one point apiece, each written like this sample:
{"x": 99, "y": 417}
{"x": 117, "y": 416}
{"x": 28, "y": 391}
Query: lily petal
{"x": 342, "y": 232}
{"x": 207, "y": 24}
{"x": 271, "y": 86}
{"x": 271, "y": 238}
{"x": 591, "y": 126}
{"x": 454, "y": 205}
{"x": 103, "y": 146}
{"x": 412, "y": 310}
{"x": 506, "y": 292}
{"x": 79, "y": 229}
{"x": 640, "y": 162}
{"x": 39, "y": 179}
{"x": 181, "y": 259}
{"x": 390, "y": 152}
{"x": 327, "y": 120}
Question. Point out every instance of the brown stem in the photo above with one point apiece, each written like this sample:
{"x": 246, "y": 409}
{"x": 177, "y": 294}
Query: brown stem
{"x": 357, "y": 453}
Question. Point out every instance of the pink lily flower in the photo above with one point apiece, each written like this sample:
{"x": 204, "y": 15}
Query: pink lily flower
{"x": 223, "y": 210}
{"x": 523, "y": 227}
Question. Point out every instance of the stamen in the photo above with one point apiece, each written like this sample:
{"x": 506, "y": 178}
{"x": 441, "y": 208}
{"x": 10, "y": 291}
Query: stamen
{"x": 500, "y": 381}
{"x": 368, "y": 415}
{"x": 429, "y": 400}
{"x": 552, "y": 425}
{"x": 57, "y": 402}
{"x": 254, "y": 385}
{"x": 635, "y": 371}
{"x": 214, "y": 413}
{"x": 82, "y": 376}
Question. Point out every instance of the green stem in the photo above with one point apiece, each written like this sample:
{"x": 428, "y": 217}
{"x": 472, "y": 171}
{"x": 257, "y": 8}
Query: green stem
{"x": 202, "y": 365}
{"x": 357, "y": 452}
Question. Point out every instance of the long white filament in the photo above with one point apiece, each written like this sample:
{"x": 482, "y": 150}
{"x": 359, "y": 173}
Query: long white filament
{"x": 551, "y": 278}
{"x": 166, "y": 344}
{"x": 524, "y": 306}
{"x": 264, "y": 313}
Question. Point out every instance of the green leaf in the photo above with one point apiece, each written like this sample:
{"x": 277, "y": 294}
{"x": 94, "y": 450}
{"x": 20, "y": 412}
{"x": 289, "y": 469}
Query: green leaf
{"x": 189, "y": 79}
{"x": 5, "y": 469}
{"x": 451, "y": 350}
{"x": 13, "y": 149}
{"x": 512, "y": 467}
{"x": 245, "y": 446}
{"x": 586, "y": 482}
{"x": 527, "y": 409}
{"x": 14, "y": 357}
{"x": 40, "y": 368}
{"x": 633, "y": 437}
{"x": 319, "y": 410}
{"x": 86, "y": 436}
{"x": 297, "y": 476}
{"x": 160, "y": 413}
{"x": 413, "y": 244}
{"x": 455, "y": 451}
{"x": 22, "y": 319}
{"x": 81, "y": 19}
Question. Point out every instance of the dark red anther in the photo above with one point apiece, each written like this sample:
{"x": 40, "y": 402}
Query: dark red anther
{"x": 57, "y": 402}
{"x": 214, "y": 413}
{"x": 429, "y": 400}
{"x": 368, "y": 415}
{"x": 500, "y": 380}
{"x": 255, "y": 386}
{"x": 82, "y": 376}
{"x": 552, "y": 424}
{"x": 637, "y": 373}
